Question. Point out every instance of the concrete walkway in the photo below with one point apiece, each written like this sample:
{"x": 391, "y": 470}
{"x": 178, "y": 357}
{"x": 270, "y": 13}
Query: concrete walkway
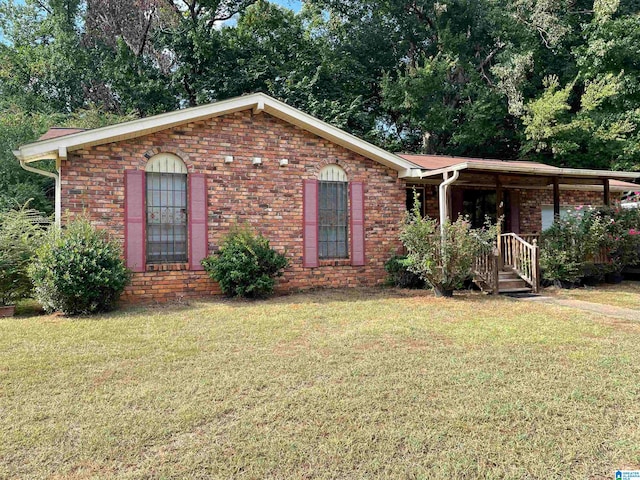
{"x": 608, "y": 310}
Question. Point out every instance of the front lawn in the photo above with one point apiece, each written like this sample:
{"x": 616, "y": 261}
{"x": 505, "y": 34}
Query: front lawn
{"x": 625, "y": 295}
{"x": 354, "y": 384}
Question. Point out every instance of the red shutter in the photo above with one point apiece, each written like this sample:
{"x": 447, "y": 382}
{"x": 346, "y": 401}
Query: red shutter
{"x": 310, "y": 228}
{"x": 357, "y": 224}
{"x": 134, "y": 220}
{"x": 198, "y": 235}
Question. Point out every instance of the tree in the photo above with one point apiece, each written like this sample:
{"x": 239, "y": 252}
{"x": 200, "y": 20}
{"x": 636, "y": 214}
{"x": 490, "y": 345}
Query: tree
{"x": 43, "y": 67}
{"x": 592, "y": 120}
{"x": 17, "y": 186}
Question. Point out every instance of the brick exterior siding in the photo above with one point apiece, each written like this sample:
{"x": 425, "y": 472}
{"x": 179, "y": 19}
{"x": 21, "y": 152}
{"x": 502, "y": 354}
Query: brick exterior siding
{"x": 268, "y": 197}
{"x": 531, "y": 202}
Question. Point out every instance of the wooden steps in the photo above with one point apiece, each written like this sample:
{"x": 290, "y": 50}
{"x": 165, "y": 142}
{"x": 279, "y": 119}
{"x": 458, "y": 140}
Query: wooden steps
{"x": 510, "y": 282}
{"x": 511, "y": 265}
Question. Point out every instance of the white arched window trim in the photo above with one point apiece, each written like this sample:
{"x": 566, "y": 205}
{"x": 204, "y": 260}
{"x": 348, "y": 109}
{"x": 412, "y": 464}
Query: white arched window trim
{"x": 332, "y": 173}
{"x": 166, "y": 163}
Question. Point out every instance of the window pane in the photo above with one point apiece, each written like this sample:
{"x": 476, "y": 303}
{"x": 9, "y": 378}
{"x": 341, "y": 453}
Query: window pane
{"x": 166, "y": 217}
{"x": 333, "y": 219}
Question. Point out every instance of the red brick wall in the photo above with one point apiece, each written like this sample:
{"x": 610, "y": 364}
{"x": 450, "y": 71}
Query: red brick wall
{"x": 531, "y": 202}
{"x": 269, "y": 197}
{"x": 430, "y": 200}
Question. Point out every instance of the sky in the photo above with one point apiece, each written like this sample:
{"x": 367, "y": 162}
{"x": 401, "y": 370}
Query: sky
{"x": 294, "y": 5}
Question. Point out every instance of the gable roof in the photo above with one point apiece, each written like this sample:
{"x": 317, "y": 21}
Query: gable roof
{"x": 57, "y": 147}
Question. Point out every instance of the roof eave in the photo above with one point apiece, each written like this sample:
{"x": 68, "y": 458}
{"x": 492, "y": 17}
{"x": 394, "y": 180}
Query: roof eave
{"x": 258, "y": 102}
{"x": 558, "y": 172}
{"x": 528, "y": 170}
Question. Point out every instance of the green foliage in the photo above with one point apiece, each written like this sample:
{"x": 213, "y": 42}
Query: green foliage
{"x": 245, "y": 266}
{"x": 18, "y": 186}
{"x": 443, "y": 257}
{"x": 592, "y": 121}
{"x": 551, "y": 80}
{"x": 623, "y": 235}
{"x": 559, "y": 259}
{"x": 20, "y": 236}
{"x": 570, "y": 246}
{"x": 79, "y": 270}
{"x": 18, "y": 127}
{"x": 399, "y": 274}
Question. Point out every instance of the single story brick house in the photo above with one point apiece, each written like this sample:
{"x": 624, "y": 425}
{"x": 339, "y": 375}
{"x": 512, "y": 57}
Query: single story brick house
{"x": 169, "y": 187}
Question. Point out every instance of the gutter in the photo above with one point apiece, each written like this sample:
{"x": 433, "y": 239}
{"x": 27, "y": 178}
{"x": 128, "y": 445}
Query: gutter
{"x": 527, "y": 170}
{"x": 443, "y": 196}
{"x": 58, "y": 185}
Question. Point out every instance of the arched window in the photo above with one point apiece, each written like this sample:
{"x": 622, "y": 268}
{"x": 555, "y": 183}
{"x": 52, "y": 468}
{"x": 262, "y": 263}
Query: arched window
{"x": 166, "y": 200}
{"x": 333, "y": 217}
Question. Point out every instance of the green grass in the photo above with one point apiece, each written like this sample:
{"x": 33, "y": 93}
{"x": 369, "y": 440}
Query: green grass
{"x": 354, "y": 384}
{"x": 625, "y": 295}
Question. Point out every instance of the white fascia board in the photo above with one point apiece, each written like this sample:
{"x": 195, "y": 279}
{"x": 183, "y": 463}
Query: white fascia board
{"x": 257, "y": 101}
{"x": 441, "y": 171}
{"x": 135, "y": 128}
{"x": 554, "y": 171}
{"x": 528, "y": 170}
{"x": 411, "y": 173}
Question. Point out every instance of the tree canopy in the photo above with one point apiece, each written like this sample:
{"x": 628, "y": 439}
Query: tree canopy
{"x": 556, "y": 80}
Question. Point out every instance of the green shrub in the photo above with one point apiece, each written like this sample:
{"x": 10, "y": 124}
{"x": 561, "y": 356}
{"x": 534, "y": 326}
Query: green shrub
{"x": 444, "y": 260}
{"x": 568, "y": 248}
{"x": 399, "y": 274}
{"x": 20, "y": 236}
{"x": 623, "y": 241}
{"x": 245, "y": 265}
{"x": 79, "y": 270}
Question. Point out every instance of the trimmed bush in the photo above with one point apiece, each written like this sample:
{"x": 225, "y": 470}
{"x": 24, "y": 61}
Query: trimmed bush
{"x": 20, "y": 237}
{"x": 245, "y": 265}
{"x": 79, "y": 270}
{"x": 399, "y": 274}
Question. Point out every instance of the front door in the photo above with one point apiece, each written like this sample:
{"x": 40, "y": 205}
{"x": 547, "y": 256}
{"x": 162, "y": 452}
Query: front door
{"x": 480, "y": 205}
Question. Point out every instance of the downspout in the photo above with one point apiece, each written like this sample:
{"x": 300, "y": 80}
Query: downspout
{"x": 58, "y": 186}
{"x": 442, "y": 197}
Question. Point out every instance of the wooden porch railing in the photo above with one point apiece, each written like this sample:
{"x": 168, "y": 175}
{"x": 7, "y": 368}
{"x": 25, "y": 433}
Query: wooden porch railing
{"x": 601, "y": 257}
{"x": 530, "y": 237}
{"x": 523, "y": 257}
{"x": 486, "y": 269}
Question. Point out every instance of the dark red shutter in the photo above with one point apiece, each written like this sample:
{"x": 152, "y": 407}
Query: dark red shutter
{"x": 310, "y": 227}
{"x": 357, "y": 224}
{"x": 198, "y": 235}
{"x": 134, "y": 220}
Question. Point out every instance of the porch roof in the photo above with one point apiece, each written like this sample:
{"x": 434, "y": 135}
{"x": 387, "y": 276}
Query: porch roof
{"x": 523, "y": 174}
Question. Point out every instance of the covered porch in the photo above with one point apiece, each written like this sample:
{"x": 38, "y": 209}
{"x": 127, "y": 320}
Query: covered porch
{"x": 527, "y": 196}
